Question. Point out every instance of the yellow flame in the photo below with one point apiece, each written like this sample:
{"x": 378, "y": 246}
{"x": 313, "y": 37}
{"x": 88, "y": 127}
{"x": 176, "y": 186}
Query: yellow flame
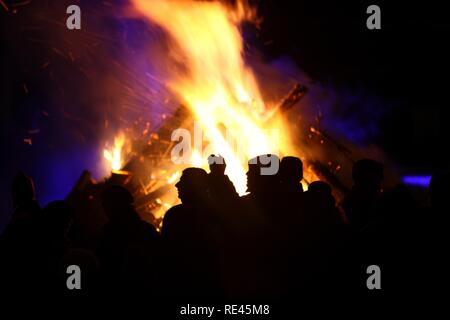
{"x": 221, "y": 91}
{"x": 114, "y": 156}
{"x": 173, "y": 178}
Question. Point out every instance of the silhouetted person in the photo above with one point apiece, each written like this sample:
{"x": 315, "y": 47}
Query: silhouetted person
{"x": 259, "y": 212}
{"x": 364, "y": 208}
{"x": 399, "y": 240}
{"x": 221, "y": 189}
{"x": 263, "y": 176}
{"x": 323, "y": 237}
{"x": 292, "y": 206}
{"x": 189, "y": 235}
{"x": 26, "y": 208}
{"x": 21, "y": 240}
{"x": 289, "y": 212}
{"x": 57, "y": 218}
{"x": 291, "y": 173}
{"x": 435, "y": 220}
{"x": 90, "y": 218}
{"x": 362, "y": 205}
{"x": 432, "y": 233}
{"x": 439, "y": 191}
{"x": 263, "y": 185}
{"x": 322, "y": 201}
{"x": 401, "y": 209}
{"x": 223, "y": 197}
{"x": 321, "y": 188}
{"x": 129, "y": 249}
{"x": 224, "y": 202}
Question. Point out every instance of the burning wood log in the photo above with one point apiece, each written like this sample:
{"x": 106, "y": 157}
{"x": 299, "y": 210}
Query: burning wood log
{"x": 325, "y": 174}
{"x": 155, "y": 154}
{"x": 161, "y": 144}
{"x": 340, "y": 147}
{"x": 296, "y": 94}
{"x": 153, "y": 196}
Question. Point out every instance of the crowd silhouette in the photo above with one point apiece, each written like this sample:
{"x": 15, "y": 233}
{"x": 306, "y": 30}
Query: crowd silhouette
{"x": 276, "y": 242}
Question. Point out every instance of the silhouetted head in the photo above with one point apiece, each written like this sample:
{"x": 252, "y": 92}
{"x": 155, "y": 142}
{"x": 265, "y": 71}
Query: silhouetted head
{"x": 193, "y": 185}
{"x": 440, "y": 190}
{"x": 263, "y": 173}
{"x": 217, "y": 164}
{"x": 22, "y": 189}
{"x": 117, "y": 202}
{"x": 400, "y": 204}
{"x": 322, "y": 191}
{"x": 291, "y": 170}
{"x": 367, "y": 174}
{"x": 320, "y": 187}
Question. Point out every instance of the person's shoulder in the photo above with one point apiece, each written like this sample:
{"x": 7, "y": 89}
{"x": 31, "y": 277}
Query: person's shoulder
{"x": 148, "y": 228}
{"x": 173, "y": 218}
{"x": 173, "y": 213}
{"x": 173, "y": 210}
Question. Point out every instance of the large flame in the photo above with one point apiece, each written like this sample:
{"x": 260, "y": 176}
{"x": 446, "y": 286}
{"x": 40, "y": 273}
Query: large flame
{"x": 114, "y": 156}
{"x": 215, "y": 82}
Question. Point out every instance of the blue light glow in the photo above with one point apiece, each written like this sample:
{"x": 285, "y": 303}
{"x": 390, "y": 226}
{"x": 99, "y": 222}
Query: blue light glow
{"x": 421, "y": 181}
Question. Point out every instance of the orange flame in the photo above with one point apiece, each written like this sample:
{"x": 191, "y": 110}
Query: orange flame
{"x": 216, "y": 84}
{"x": 114, "y": 156}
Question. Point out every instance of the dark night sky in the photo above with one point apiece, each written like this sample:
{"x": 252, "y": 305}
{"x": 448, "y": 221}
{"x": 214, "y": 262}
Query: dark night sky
{"x": 406, "y": 64}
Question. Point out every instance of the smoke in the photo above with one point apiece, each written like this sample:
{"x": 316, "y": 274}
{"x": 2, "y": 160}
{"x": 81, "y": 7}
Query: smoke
{"x": 350, "y": 113}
